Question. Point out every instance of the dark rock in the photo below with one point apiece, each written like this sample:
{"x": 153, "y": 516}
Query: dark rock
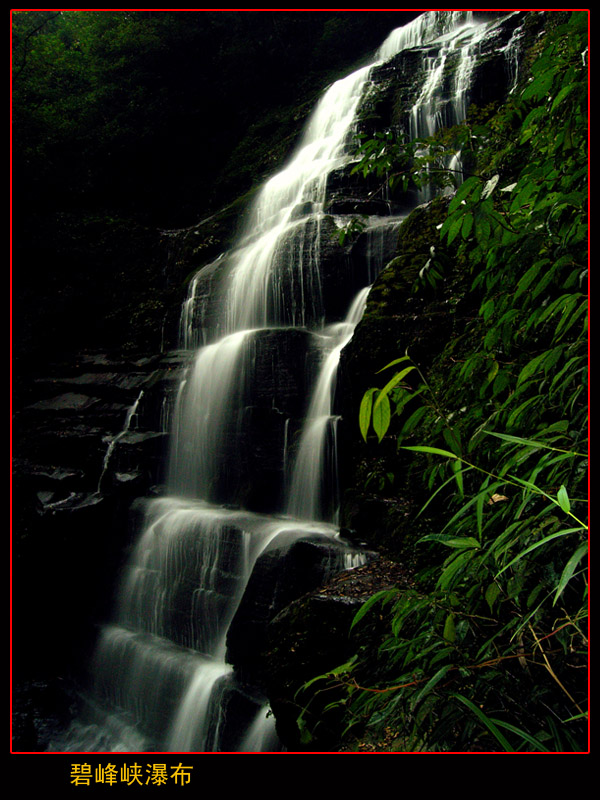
{"x": 280, "y": 576}
{"x": 311, "y": 637}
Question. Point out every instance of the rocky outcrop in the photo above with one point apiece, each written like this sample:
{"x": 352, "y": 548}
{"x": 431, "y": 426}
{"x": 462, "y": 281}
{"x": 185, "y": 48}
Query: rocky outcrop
{"x": 311, "y": 637}
{"x": 281, "y": 576}
{"x": 76, "y": 471}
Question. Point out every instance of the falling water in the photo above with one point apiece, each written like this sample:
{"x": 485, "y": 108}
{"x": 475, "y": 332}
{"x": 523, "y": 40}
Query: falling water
{"x": 113, "y": 441}
{"x": 307, "y": 485}
{"x": 161, "y": 666}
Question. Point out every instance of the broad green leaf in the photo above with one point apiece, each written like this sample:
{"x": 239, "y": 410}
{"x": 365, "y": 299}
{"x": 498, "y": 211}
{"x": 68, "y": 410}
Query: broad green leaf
{"x": 563, "y": 499}
{"x": 364, "y": 414}
{"x": 530, "y": 276}
{"x": 531, "y": 368}
{"x": 491, "y": 594}
{"x": 463, "y": 191}
{"x": 467, "y": 226}
{"x": 454, "y": 228}
{"x": 382, "y": 414}
{"x": 541, "y": 85}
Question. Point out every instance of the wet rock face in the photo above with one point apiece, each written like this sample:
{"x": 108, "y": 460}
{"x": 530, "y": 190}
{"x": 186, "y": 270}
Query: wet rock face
{"x": 311, "y": 636}
{"x": 69, "y": 530}
{"x": 281, "y": 576}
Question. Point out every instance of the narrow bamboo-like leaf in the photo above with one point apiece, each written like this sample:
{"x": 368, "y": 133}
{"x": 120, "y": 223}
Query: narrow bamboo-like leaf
{"x": 456, "y": 469}
{"x": 538, "y": 544}
{"x": 523, "y": 734}
{"x": 340, "y": 670}
{"x": 453, "y": 567}
{"x": 393, "y": 363}
{"x": 383, "y": 595}
{"x": 399, "y": 376}
{"x": 489, "y": 724}
{"x": 431, "y": 683}
{"x": 568, "y": 571}
{"x": 414, "y": 420}
{"x": 456, "y": 542}
{"x": 434, "y": 450}
{"x": 530, "y": 442}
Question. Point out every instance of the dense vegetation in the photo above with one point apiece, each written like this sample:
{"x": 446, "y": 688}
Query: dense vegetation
{"x": 486, "y": 651}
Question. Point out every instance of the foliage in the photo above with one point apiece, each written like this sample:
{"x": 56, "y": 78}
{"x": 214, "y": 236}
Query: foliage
{"x": 488, "y": 651}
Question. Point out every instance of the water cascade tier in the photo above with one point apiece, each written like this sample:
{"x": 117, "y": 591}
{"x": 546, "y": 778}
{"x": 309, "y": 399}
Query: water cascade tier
{"x": 252, "y": 473}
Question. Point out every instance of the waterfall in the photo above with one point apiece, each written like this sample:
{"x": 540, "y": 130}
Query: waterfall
{"x": 161, "y": 669}
{"x": 307, "y": 484}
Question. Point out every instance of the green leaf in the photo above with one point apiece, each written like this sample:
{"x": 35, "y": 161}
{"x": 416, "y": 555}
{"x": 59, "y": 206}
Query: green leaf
{"x": 491, "y": 594}
{"x": 463, "y": 191}
{"x": 458, "y": 543}
{"x": 454, "y": 228}
{"x": 521, "y": 733}
{"x": 431, "y": 683}
{"x": 384, "y": 595}
{"x": 541, "y": 85}
{"x": 399, "y": 376}
{"x": 434, "y": 450}
{"x": 453, "y": 566}
{"x": 563, "y": 499}
{"x": 568, "y": 571}
{"x": 467, "y": 225}
{"x": 532, "y": 367}
{"x": 364, "y": 414}
{"x": 340, "y": 670}
{"x": 533, "y": 547}
{"x": 393, "y": 363}
{"x": 489, "y": 724}
{"x": 530, "y": 276}
{"x": 449, "y": 629}
{"x": 381, "y": 415}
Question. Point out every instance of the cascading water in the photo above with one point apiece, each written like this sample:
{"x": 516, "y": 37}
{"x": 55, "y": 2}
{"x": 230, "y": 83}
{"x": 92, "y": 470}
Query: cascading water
{"x": 161, "y": 667}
